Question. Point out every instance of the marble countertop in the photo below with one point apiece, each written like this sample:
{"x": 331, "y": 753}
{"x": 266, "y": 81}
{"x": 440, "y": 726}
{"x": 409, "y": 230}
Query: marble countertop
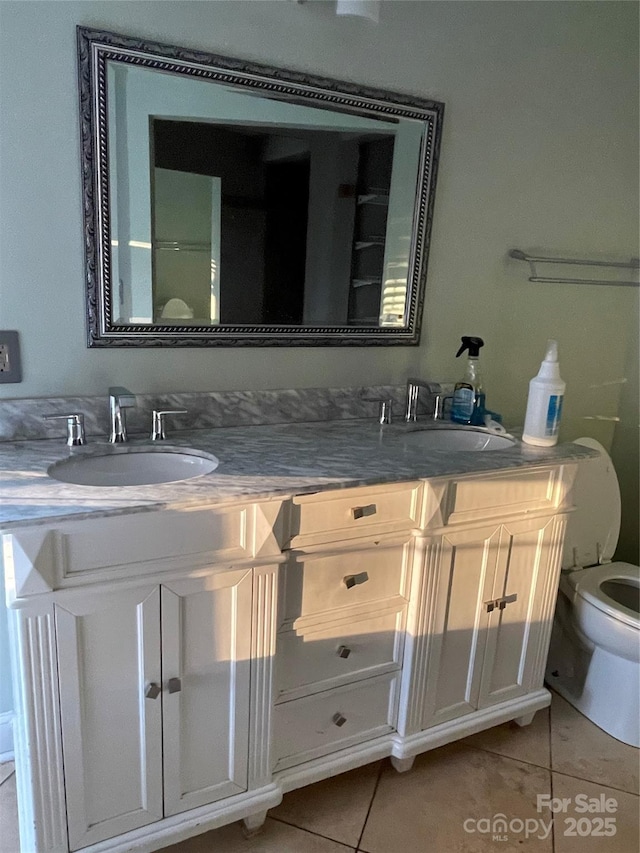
{"x": 255, "y": 462}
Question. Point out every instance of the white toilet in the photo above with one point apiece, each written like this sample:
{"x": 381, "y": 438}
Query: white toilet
{"x": 594, "y": 657}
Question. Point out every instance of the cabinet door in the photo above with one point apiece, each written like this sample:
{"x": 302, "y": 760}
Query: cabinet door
{"x": 458, "y": 624}
{"x": 517, "y": 639}
{"x": 109, "y": 653}
{"x": 206, "y": 642}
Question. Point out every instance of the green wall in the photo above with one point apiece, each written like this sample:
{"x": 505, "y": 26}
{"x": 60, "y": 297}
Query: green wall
{"x": 540, "y": 151}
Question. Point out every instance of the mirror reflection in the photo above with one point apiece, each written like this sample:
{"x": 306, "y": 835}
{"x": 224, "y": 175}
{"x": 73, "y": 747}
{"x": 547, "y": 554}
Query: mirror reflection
{"x": 230, "y": 211}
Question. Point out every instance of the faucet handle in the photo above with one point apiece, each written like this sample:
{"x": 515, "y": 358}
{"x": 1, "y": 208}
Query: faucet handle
{"x": 385, "y": 411}
{"x": 157, "y": 423}
{"x": 75, "y": 427}
{"x": 386, "y": 408}
{"x": 439, "y": 403}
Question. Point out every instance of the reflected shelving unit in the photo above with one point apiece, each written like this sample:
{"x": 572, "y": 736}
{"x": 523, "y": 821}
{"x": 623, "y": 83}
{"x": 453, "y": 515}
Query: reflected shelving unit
{"x": 367, "y": 257}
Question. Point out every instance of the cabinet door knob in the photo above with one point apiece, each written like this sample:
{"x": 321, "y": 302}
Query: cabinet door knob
{"x": 152, "y": 691}
{"x": 362, "y": 511}
{"x": 338, "y": 719}
{"x": 353, "y": 580}
{"x": 175, "y": 685}
{"x": 343, "y": 652}
{"x": 491, "y": 605}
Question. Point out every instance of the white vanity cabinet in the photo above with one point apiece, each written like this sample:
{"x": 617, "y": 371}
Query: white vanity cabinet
{"x": 142, "y": 660}
{"x": 488, "y": 609}
{"x": 178, "y": 670}
{"x": 343, "y": 595}
{"x": 484, "y": 600}
{"x": 154, "y": 700}
{"x": 339, "y": 646}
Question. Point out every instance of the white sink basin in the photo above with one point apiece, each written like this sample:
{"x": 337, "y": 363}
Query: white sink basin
{"x": 139, "y": 466}
{"x": 456, "y": 439}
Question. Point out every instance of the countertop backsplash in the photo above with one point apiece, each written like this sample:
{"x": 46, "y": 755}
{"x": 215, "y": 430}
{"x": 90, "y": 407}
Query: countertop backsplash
{"x": 22, "y": 419}
{"x": 267, "y": 444}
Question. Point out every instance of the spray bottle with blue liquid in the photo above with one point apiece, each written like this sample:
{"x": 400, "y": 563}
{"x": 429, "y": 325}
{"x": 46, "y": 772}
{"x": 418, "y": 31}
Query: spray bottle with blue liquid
{"x": 468, "y": 396}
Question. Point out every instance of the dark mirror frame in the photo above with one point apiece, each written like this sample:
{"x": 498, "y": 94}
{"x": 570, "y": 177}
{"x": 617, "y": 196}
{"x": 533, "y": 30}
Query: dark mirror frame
{"x": 95, "y": 49}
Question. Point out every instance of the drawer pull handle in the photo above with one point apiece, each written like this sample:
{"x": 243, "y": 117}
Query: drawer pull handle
{"x": 175, "y": 685}
{"x": 344, "y": 652}
{"x": 507, "y": 599}
{"x": 152, "y": 691}
{"x": 338, "y": 720}
{"x": 362, "y": 511}
{"x": 354, "y": 580}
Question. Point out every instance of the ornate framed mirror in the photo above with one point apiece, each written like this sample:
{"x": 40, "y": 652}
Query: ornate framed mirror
{"x": 231, "y": 204}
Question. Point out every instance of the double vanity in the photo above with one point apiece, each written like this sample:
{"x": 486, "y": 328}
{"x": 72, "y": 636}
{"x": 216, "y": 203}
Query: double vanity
{"x": 329, "y": 594}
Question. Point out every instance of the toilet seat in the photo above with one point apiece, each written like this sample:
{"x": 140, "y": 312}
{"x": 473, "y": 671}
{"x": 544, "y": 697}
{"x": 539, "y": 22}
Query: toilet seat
{"x": 594, "y": 526}
{"x": 587, "y": 584}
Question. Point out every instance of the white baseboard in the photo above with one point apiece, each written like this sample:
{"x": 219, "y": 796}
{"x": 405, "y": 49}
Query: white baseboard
{"x": 6, "y": 736}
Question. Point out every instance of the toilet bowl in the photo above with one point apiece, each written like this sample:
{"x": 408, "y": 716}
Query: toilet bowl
{"x": 594, "y": 655}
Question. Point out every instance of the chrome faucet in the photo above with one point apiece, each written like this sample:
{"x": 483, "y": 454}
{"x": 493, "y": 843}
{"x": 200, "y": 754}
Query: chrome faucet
{"x": 413, "y": 394}
{"x": 119, "y": 399}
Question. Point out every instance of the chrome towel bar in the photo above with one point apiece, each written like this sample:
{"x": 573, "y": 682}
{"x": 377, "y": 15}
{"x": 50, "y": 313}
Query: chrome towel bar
{"x": 632, "y": 264}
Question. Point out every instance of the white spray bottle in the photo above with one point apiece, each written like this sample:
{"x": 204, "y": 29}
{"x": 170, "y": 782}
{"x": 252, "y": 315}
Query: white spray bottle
{"x": 544, "y": 406}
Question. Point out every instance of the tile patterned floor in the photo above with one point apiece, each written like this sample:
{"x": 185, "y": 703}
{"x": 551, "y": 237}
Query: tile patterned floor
{"x": 447, "y": 802}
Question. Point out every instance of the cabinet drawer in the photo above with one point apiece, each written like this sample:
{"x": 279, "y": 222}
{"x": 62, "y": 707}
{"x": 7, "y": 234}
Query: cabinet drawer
{"x": 316, "y": 725}
{"x": 533, "y": 490}
{"x": 326, "y": 516}
{"x": 111, "y": 545}
{"x": 314, "y": 583}
{"x": 318, "y": 659}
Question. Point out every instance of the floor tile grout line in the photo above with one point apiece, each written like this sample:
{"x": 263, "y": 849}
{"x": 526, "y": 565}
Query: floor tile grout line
{"x": 571, "y": 775}
{"x": 553, "y": 823}
{"x": 313, "y": 832}
{"x": 551, "y": 733}
{"x": 373, "y": 796}
{"x": 597, "y": 782}
{"x": 551, "y": 771}
{"x": 510, "y": 757}
{"x": 583, "y": 716}
{"x": 554, "y": 770}
{"x": 13, "y": 773}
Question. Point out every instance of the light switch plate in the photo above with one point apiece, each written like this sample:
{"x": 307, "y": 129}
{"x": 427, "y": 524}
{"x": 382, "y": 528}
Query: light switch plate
{"x": 10, "y": 366}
